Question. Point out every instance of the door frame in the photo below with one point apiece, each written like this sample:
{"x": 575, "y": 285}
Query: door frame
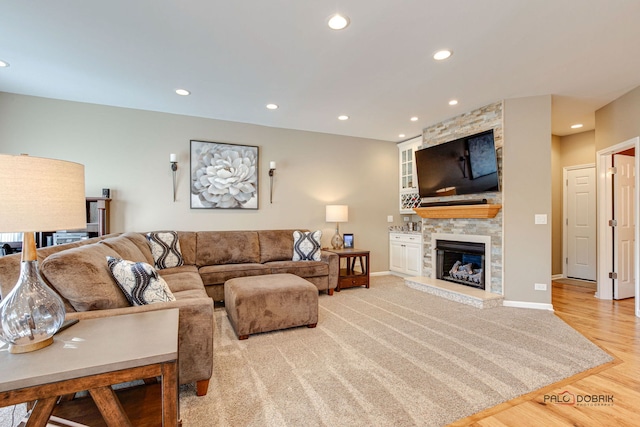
{"x": 605, "y": 207}
{"x": 565, "y": 211}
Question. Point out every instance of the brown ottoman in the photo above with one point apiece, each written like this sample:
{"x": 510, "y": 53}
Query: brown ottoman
{"x": 270, "y": 302}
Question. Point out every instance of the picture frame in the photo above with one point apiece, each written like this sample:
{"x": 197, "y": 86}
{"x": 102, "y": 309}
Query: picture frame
{"x": 348, "y": 240}
{"x": 223, "y": 176}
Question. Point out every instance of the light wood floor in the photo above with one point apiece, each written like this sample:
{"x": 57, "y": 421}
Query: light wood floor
{"x": 611, "y": 325}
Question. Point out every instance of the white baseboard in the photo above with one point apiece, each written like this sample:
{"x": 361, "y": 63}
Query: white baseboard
{"x": 557, "y": 276}
{"x": 524, "y": 304}
{"x": 381, "y": 273}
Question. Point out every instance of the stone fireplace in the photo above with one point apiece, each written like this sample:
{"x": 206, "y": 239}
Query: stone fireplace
{"x": 486, "y": 230}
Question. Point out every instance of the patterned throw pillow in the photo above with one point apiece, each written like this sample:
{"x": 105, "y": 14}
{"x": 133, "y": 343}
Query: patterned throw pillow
{"x": 165, "y": 248}
{"x": 306, "y": 245}
{"x": 139, "y": 282}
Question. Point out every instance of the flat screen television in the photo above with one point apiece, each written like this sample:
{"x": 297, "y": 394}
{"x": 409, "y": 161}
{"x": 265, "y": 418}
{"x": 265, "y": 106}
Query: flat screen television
{"x": 464, "y": 166}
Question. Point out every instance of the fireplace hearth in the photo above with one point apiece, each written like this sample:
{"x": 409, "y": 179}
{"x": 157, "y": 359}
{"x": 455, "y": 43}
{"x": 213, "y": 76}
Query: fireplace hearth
{"x": 461, "y": 262}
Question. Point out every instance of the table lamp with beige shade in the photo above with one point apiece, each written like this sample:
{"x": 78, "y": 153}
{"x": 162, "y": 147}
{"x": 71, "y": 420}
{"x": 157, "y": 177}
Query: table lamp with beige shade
{"x": 36, "y": 194}
{"x": 337, "y": 214}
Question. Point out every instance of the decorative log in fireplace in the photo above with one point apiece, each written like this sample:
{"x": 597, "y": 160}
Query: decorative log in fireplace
{"x": 461, "y": 262}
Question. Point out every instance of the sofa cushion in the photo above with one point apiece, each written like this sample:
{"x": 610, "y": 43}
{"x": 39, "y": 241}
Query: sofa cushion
{"x": 188, "y": 246}
{"x": 82, "y": 277}
{"x": 227, "y": 247}
{"x": 139, "y": 282}
{"x": 218, "y": 274}
{"x": 302, "y": 269}
{"x": 190, "y": 294}
{"x": 276, "y": 245}
{"x": 165, "y": 248}
{"x": 182, "y": 269}
{"x": 181, "y": 280}
{"x": 306, "y": 245}
{"x": 131, "y": 246}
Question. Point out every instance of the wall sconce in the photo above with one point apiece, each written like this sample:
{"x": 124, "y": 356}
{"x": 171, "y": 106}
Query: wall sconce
{"x": 272, "y": 169}
{"x": 337, "y": 214}
{"x": 173, "y": 159}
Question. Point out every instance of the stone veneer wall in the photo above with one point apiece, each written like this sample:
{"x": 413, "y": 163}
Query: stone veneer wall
{"x": 476, "y": 121}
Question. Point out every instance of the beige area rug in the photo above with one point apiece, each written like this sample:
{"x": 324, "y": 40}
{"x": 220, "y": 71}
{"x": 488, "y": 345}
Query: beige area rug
{"x": 388, "y": 355}
{"x": 577, "y": 282}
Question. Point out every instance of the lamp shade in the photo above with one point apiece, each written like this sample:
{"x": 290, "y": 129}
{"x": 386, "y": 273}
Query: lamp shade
{"x": 40, "y": 194}
{"x": 337, "y": 213}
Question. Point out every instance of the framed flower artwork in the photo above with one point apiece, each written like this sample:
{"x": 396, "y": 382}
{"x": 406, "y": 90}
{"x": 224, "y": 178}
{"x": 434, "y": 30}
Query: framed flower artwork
{"x": 223, "y": 176}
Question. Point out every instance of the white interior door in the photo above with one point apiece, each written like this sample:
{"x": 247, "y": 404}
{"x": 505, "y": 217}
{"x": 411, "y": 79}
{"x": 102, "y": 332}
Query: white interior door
{"x": 581, "y": 223}
{"x": 624, "y": 232}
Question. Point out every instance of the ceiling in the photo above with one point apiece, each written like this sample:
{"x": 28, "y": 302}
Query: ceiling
{"x": 237, "y": 56}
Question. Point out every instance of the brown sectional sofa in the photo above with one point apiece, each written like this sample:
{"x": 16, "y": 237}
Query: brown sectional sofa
{"x": 79, "y": 273}
{"x": 224, "y": 255}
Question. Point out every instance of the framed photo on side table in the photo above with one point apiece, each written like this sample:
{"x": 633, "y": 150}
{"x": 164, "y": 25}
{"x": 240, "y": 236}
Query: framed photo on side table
{"x": 348, "y": 241}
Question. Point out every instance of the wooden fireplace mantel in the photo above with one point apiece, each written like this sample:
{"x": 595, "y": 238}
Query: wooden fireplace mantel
{"x": 460, "y": 211}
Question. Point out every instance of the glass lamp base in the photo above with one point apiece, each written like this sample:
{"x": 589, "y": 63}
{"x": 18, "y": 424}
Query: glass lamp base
{"x": 32, "y": 312}
{"x": 336, "y": 241}
{"x": 26, "y": 348}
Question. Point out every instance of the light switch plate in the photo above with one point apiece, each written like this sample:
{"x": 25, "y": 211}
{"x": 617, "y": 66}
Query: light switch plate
{"x": 541, "y": 219}
{"x": 389, "y": 218}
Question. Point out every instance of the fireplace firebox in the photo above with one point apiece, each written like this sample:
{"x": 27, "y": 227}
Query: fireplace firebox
{"x": 461, "y": 262}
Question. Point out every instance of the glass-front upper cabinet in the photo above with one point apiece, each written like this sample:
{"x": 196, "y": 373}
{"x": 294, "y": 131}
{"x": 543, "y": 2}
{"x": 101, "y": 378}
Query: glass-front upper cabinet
{"x": 409, "y": 197}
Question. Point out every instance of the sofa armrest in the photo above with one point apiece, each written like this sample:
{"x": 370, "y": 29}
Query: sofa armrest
{"x": 334, "y": 267}
{"x": 195, "y": 333}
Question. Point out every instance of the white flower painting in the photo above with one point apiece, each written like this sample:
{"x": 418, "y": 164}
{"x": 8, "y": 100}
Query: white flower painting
{"x": 224, "y": 176}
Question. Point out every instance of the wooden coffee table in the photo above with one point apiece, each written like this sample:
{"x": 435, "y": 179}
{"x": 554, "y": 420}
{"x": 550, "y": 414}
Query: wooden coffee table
{"x": 92, "y": 355}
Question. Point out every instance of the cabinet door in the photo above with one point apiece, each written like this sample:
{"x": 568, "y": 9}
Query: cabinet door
{"x": 413, "y": 259}
{"x": 396, "y": 256}
{"x": 409, "y": 197}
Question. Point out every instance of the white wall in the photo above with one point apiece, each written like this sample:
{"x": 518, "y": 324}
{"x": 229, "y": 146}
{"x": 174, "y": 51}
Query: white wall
{"x": 128, "y": 151}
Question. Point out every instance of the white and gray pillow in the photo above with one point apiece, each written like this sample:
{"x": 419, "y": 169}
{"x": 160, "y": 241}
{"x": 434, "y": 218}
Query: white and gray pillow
{"x": 139, "y": 282}
{"x": 165, "y": 248}
{"x": 306, "y": 245}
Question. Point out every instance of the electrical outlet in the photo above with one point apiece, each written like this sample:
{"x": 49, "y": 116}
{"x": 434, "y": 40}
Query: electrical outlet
{"x": 540, "y": 286}
{"x": 389, "y": 218}
{"x": 406, "y": 219}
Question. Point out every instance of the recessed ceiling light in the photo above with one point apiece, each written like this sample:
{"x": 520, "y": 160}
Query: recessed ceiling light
{"x": 343, "y": 117}
{"x": 442, "y": 54}
{"x": 183, "y": 92}
{"x": 453, "y": 102}
{"x": 414, "y": 119}
{"x": 272, "y": 106}
{"x": 3, "y": 64}
{"x": 338, "y": 22}
{"x": 402, "y": 135}
{"x": 576, "y": 126}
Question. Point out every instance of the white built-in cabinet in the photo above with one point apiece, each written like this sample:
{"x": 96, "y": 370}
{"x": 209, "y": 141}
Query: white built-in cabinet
{"x": 409, "y": 196}
{"x": 405, "y": 253}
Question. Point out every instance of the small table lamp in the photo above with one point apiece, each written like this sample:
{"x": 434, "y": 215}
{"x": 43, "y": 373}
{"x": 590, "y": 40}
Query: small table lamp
{"x": 36, "y": 195}
{"x": 337, "y": 214}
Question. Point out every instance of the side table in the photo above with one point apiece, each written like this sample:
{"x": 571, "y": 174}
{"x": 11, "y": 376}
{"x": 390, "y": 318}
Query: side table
{"x": 349, "y": 277}
{"x": 92, "y": 355}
